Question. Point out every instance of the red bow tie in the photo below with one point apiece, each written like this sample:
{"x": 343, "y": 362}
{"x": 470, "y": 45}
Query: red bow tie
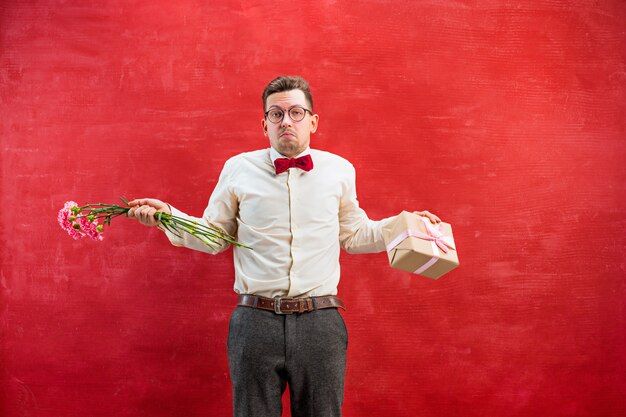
{"x": 305, "y": 163}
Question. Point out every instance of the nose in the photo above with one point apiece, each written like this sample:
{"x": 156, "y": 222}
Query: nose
{"x": 286, "y": 120}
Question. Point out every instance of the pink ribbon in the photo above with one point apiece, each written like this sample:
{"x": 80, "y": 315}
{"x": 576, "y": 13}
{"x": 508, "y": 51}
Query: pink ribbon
{"x": 432, "y": 233}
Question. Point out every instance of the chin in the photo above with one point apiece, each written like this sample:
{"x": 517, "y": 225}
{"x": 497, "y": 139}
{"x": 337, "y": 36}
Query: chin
{"x": 288, "y": 145}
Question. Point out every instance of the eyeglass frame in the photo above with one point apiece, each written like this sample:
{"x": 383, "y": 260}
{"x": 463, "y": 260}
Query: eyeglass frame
{"x": 288, "y": 113}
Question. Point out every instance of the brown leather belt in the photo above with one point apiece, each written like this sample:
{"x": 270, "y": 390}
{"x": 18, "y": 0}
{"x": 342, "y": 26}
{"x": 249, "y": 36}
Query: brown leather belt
{"x": 280, "y": 305}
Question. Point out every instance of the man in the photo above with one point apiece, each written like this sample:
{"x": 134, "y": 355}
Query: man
{"x": 296, "y": 207}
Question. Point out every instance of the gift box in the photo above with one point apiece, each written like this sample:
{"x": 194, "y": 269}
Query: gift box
{"x": 416, "y": 245}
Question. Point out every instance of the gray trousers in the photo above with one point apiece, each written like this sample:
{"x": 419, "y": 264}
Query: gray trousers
{"x": 266, "y": 351}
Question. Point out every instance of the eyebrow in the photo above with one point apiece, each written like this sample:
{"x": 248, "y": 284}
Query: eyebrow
{"x": 278, "y": 107}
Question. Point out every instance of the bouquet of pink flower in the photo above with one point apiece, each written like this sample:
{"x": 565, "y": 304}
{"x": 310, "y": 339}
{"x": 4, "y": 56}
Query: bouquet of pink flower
{"x": 80, "y": 221}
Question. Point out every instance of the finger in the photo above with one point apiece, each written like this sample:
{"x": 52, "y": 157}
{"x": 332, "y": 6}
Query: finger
{"x": 135, "y": 212}
{"x": 153, "y": 219}
{"x": 147, "y": 215}
{"x": 144, "y": 213}
{"x": 425, "y": 213}
{"x": 138, "y": 213}
{"x": 138, "y": 202}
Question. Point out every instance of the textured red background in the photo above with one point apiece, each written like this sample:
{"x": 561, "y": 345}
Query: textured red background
{"x": 505, "y": 117}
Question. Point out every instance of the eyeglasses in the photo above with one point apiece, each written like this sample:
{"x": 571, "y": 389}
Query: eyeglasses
{"x": 296, "y": 113}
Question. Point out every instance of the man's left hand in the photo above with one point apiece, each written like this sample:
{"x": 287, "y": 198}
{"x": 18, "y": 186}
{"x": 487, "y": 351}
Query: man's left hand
{"x": 433, "y": 219}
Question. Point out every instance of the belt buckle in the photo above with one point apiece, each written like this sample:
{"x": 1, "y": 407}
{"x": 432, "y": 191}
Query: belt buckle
{"x": 277, "y": 309}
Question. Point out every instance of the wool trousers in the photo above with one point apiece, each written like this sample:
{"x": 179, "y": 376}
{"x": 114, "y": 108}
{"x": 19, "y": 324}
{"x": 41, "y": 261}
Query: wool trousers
{"x": 268, "y": 352}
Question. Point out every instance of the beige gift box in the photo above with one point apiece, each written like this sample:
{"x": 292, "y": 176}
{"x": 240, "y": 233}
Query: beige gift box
{"x": 416, "y": 245}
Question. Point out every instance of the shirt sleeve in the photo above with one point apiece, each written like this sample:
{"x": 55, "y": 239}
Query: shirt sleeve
{"x": 220, "y": 213}
{"x": 357, "y": 233}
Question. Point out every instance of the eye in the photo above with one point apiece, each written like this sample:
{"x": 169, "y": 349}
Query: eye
{"x": 297, "y": 112}
{"x": 275, "y": 114}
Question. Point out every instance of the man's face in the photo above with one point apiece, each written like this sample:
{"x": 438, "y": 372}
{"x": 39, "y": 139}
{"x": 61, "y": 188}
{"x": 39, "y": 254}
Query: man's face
{"x": 288, "y": 137}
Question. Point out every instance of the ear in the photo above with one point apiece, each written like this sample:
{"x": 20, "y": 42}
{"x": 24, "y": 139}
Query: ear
{"x": 314, "y": 121}
{"x": 264, "y": 123}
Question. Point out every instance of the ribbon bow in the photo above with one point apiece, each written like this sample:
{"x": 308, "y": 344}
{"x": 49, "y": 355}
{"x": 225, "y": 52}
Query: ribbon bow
{"x": 432, "y": 234}
{"x": 304, "y": 162}
{"x": 435, "y": 235}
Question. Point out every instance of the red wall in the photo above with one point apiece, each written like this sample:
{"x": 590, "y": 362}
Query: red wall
{"x": 504, "y": 117}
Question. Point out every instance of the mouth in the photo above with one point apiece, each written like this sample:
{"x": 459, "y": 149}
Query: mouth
{"x": 287, "y": 134}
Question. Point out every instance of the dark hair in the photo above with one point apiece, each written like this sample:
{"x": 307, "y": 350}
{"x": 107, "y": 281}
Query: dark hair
{"x": 288, "y": 83}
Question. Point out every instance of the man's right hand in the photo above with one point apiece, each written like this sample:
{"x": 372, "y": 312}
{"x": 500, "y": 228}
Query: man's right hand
{"x": 144, "y": 209}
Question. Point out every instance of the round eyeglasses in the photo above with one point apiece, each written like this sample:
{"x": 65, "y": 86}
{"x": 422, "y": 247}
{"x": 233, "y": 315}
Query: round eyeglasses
{"x": 296, "y": 113}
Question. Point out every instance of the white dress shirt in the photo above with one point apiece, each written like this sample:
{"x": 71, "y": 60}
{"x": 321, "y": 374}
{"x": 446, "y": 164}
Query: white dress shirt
{"x": 296, "y": 222}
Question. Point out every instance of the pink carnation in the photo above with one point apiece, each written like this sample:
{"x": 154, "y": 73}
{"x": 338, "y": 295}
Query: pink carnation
{"x": 64, "y": 220}
{"x": 90, "y": 228}
{"x": 87, "y": 228}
